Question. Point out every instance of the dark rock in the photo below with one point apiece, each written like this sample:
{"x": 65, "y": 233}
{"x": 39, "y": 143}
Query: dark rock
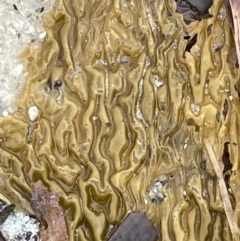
{"x": 193, "y": 10}
{"x": 202, "y": 6}
{"x": 5, "y": 210}
{"x": 135, "y": 227}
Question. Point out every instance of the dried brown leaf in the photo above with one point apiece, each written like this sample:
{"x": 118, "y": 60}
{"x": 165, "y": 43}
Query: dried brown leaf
{"x": 46, "y": 206}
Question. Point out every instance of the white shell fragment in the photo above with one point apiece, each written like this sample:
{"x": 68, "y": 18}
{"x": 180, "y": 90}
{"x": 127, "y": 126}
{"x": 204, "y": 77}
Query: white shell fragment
{"x": 157, "y": 82}
{"x": 42, "y": 35}
{"x": 155, "y": 192}
{"x": 195, "y": 109}
{"x": 33, "y": 113}
{"x": 5, "y": 113}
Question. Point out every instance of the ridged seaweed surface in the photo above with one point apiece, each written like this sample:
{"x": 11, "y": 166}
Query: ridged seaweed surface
{"x": 126, "y": 93}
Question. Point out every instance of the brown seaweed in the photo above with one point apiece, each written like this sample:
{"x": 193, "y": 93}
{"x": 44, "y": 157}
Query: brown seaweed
{"x": 121, "y": 103}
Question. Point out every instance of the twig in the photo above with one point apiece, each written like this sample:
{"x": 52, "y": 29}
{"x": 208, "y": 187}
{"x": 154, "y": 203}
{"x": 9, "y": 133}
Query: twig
{"x": 223, "y": 190}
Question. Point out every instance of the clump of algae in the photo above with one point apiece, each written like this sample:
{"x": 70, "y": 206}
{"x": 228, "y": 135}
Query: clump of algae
{"x": 121, "y": 102}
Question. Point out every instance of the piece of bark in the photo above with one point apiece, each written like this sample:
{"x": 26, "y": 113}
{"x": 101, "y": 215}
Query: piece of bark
{"x": 135, "y": 227}
{"x": 229, "y": 12}
{"x": 233, "y": 9}
{"x": 46, "y": 207}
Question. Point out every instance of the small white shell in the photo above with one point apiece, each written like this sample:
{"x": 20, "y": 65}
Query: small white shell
{"x": 33, "y": 113}
{"x": 5, "y": 113}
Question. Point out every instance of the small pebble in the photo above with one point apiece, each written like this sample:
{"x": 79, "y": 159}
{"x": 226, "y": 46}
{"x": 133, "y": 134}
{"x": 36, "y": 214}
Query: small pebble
{"x": 5, "y": 113}
{"x": 33, "y": 113}
{"x": 42, "y": 35}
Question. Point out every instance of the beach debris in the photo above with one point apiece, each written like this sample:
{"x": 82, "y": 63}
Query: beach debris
{"x": 135, "y": 227}
{"x": 46, "y": 207}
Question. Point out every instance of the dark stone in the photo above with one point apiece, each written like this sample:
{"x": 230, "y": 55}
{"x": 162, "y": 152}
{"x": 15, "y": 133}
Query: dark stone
{"x": 135, "y": 227}
{"x": 15, "y": 7}
{"x": 5, "y": 210}
{"x": 193, "y": 10}
{"x": 40, "y": 10}
{"x": 189, "y": 14}
{"x": 28, "y": 236}
{"x": 201, "y": 5}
